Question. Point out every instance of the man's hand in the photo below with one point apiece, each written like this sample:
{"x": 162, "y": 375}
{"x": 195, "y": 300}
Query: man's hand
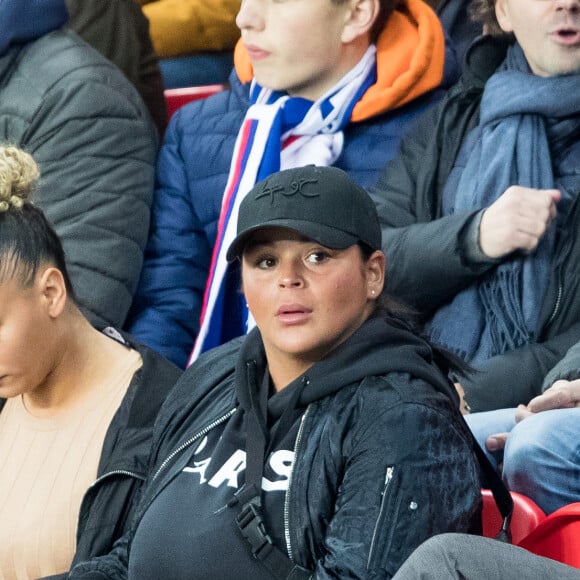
{"x": 496, "y": 442}
{"x": 561, "y": 395}
{"x": 517, "y": 220}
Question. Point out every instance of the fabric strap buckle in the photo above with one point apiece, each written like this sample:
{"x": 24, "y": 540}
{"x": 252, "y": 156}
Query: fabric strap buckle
{"x": 251, "y": 524}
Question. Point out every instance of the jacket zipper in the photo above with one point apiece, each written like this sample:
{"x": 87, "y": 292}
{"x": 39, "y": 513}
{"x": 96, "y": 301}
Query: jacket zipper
{"x": 106, "y": 476}
{"x": 163, "y": 465}
{"x": 115, "y": 472}
{"x": 556, "y": 306}
{"x": 287, "y": 498}
{"x": 388, "y": 477}
{"x": 191, "y": 440}
{"x": 98, "y": 481}
{"x": 563, "y": 253}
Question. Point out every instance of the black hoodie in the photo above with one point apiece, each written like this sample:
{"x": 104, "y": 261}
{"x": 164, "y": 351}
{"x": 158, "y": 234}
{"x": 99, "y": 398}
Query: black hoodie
{"x": 378, "y": 459}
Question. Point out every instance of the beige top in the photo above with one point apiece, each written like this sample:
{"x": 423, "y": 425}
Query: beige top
{"x": 46, "y": 465}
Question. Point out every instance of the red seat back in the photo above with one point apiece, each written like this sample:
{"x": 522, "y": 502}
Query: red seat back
{"x": 526, "y": 516}
{"x": 175, "y": 98}
{"x": 557, "y": 536}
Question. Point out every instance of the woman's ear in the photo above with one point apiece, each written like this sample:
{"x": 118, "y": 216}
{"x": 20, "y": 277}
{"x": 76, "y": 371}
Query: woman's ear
{"x": 375, "y": 268}
{"x": 53, "y": 292}
{"x": 359, "y": 19}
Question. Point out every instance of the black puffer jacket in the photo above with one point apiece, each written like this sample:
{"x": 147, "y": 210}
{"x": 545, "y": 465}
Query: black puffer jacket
{"x": 568, "y": 369}
{"x": 383, "y": 458}
{"x": 426, "y": 261}
{"x": 107, "y": 507}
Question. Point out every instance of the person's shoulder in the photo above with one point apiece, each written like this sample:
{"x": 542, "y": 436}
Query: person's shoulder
{"x": 158, "y": 364}
{"x": 221, "y": 359}
{"x": 384, "y": 394}
{"x": 397, "y": 388}
{"x": 386, "y": 408}
{"x": 153, "y": 362}
{"x": 63, "y": 58}
{"x": 407, "y": 403}
{"x": 220, "y": 111}
{"x": 61, "y": 52}
{"x": 206, "y": 388}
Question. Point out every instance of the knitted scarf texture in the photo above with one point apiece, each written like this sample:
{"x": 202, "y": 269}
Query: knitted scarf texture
{"x": 524, "y": 120}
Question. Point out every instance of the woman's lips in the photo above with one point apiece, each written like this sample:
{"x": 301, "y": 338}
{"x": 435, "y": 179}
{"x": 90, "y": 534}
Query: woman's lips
{"x": 293, "y": 313}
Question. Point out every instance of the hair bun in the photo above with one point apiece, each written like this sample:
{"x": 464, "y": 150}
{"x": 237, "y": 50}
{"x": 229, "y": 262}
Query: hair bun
{"x": 18, "y": 174}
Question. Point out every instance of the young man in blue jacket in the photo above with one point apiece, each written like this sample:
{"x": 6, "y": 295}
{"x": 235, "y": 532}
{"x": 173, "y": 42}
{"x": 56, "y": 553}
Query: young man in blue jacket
{"x": 297, "y": 97}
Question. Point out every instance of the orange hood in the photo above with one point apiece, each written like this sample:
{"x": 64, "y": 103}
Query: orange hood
{"x": 410, "y": 61}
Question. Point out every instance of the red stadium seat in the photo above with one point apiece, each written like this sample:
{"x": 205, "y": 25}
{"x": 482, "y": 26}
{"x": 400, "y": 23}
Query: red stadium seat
{"x": 557, "y": 536}
{"x": 175, "y": 98}
{"x": 526, "y": 516}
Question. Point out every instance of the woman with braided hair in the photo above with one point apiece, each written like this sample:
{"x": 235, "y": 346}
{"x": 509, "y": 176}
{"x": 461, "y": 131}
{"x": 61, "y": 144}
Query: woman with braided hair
{"x": 76, "y": 405}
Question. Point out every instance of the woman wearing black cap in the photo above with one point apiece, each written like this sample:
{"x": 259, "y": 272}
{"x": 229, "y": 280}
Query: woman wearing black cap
{"x": 327, "y": 443}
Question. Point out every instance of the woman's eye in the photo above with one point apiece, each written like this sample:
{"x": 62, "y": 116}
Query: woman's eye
{"x": 265, "y": 263}
{"x": 317, "y": 257}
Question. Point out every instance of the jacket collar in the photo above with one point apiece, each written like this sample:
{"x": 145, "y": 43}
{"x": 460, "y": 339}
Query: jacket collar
{"x": 378, "y": 347}
{"x": 412, "y": 59}
{"x": 482, "y": 59}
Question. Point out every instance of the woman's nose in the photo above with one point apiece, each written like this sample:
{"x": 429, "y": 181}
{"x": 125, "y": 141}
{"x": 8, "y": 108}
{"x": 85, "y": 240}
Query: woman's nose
{"x": 290, "y": 276}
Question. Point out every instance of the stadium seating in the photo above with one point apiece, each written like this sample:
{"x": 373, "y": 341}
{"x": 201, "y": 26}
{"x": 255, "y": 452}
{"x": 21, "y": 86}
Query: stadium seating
{"x": 526, "y": 516}
{"x": 175, "y": 98}
{"x": 557, "y": 536}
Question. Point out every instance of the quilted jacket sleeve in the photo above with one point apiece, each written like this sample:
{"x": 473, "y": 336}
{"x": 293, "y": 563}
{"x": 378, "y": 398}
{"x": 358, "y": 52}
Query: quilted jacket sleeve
{"x": 192, "y": 172}
{"x": 426, "y": 265}
{"x": 409, "y": 474}
{"x": 119, "y": 31}
{"x": 95, "y": 144}
{"x": 165, "y": 315}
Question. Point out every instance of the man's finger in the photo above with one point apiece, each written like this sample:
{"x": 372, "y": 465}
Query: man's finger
{"x": 496, "y": 442}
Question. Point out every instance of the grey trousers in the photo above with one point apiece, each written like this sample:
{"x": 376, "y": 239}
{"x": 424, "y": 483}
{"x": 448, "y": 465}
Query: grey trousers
{"x": 466, "y": 557}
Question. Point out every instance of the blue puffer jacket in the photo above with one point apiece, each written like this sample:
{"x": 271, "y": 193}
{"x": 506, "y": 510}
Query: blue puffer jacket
{"x": 191, "y": 176}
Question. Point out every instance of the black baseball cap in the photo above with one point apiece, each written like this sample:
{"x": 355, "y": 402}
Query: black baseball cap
{"x": 321, "y": 203}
